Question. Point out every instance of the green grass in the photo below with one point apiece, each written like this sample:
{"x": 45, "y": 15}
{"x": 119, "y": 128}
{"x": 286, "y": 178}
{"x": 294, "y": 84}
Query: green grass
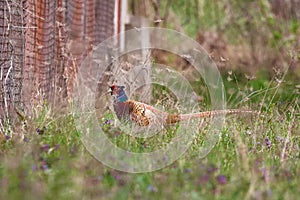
{"x": 255, "y": 157}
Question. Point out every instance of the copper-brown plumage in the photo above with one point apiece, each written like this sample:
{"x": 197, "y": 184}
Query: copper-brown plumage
{"x": 146, "y": 115}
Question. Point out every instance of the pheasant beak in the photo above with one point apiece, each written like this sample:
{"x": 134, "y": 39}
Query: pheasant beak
{"x": 110, "y": 91}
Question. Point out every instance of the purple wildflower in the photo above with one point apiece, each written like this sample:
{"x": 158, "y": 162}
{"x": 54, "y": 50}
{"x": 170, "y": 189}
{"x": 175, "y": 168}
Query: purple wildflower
{"x": 26, "y": 139}
{"x": 151, "y": 188}
{"x": 44, "y": 165}
{"x": 281, "y": 139}
{"x": 7, "y": 137}
{"x": 46, "y": 147}
{"x": 40, "y": 131}
{"x": 212, "y": 169}
{"x": 268, "y": 142}
{"x": 222, "y": 179}
{"x": 204, "y": 179}
{"x": 187, "y": 170}
{"x": 34, "y": 167}
{"x": 116, "y": 176}
{"x": 108, "y": 121}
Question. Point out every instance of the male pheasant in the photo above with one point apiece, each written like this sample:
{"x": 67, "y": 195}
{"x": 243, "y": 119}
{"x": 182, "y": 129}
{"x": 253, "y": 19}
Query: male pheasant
{"x": 145, "y": 115}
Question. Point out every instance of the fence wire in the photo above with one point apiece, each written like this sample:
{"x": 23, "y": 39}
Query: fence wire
{"x": 42, "y": 45}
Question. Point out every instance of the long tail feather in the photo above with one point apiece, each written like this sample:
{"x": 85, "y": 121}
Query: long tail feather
{"x": 174, "y": 118}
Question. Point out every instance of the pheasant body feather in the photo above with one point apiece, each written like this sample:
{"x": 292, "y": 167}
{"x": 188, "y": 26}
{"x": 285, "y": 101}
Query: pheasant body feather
{"x": 129, "y": 110}
{"x": 139, "y": 113}
{"x": 145, "y": 115}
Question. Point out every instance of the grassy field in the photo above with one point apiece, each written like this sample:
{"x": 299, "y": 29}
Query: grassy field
{"x": 255, "y": 158}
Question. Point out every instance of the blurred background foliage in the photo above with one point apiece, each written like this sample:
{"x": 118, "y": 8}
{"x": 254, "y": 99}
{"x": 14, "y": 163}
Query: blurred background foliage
{"x": 251, "y": 36}
{"x": 254, "y": 43}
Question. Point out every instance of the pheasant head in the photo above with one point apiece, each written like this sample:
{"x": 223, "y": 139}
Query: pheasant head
{"x": 118, "y": 93}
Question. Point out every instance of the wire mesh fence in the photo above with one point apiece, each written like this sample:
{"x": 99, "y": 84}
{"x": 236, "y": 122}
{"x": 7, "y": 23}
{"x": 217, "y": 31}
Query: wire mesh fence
{"x": 42, "y": 45}
{"x": 12, "y": 46}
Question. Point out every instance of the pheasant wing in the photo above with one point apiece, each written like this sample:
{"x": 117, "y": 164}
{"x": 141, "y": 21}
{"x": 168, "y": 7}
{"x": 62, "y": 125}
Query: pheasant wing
{"x": 138, "y": 113}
